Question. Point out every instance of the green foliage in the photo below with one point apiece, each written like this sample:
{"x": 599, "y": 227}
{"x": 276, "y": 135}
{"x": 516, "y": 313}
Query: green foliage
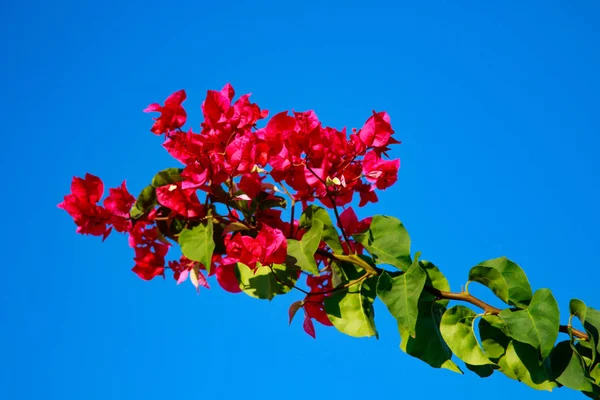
{"x": 457, "y": 328}
{"x": 144, "y": 203}
{"x": 197, "y": 243}
{"x": 330, "y": 234}
{"x": 524, "y": 362}
{"x": 351, "y": 310}
{"x": 568, "y": 367}
{"x": 388, "y": 242}
{"x": 590, "y": 319}
{"x": 167, "y": 176}
{"x": 518, "y": 341}
{"x": 302, "y": 252}
{"x": 428, "y": 344}
{"x": 265, "y": 282}
{"x": 505, "y": 278}
{"x": 538, "y": 325}
{"x": 435, "y": 279}
{"x": 401, "y": 295}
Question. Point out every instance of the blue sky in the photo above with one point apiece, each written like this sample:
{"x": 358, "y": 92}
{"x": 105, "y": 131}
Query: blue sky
{"x": 496, "y": 105}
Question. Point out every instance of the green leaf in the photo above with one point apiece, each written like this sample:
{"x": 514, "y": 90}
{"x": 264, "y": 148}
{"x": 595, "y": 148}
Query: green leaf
{"x": 537, "y": 325}
{"x": 144, "y": 203}
{"x": 167, "y": 176}
{"x": 595, "y": 374}
{"x": 272, "y": 202}
{"x": 494, "y": 342}
{"x": 590, "y": 319}
{"x": 264, "y": 283}
{"x": 457, "y": 330}
{"x": 505, "y": 278}
{"x": 198, "y": 244}
{"x": 435, "y": 279}
{"x": 330, "y": 233}
{"x": 401, "y": 295}
{"x": 482, "y": 370}
{"x": 584, "y": 348}
{"x": 592, "y": 326}
{"x": 235, "y": 227}
{"x": 337, "y": 274}
{"x": 428, "y": 345}
{"x": 302, "y": 252}
{"x": 594, "y": 394}
{"x": 524, "y": 362}
{"x": 351, "y": 311}
{"x": 388, "y": 242}
{"x": 568, "y": 368}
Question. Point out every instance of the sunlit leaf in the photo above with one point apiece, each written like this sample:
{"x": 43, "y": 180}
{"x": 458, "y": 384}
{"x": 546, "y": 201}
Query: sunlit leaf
{"x": 197, "y": 243}
{"x": 538, "y": 325}
{"x": 401, "y": 295}
{"x": 387, "y": 241}
{"x": 457, "y": 330}
{"x": 505, "y": 278}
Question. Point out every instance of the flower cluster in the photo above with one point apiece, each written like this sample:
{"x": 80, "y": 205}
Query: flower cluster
{"x": 241, "y": 176}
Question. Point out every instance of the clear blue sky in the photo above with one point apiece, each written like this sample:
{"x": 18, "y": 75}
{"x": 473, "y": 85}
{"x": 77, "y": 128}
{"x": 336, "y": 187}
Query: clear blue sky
{"x": 498, "y": 110}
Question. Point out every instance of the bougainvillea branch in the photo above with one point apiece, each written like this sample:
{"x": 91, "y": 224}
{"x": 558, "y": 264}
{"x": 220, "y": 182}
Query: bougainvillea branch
{"x": 232, "y": 208}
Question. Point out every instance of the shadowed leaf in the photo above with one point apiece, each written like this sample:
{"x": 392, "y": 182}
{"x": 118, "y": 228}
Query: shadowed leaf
{"x": 330, "y": 234}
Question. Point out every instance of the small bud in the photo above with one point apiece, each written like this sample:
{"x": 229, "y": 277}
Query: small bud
{"x": 332, "y": 182}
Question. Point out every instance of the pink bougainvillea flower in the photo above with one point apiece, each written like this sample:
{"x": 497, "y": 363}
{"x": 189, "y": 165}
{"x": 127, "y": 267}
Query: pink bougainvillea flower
{"x": 81, "y": 204}
{"x": 183, "y": 201}
{"x": 216, "y": 106}
{"x": 313, "y": 306}
{"x": 274, "y": 243}
{"x": 377, "y": 131}
{"x": 118, "y": 203}
{"x": 227, "y": 279}
{"x": 269, "y": 247}
{"x": 351, "y": 224}
{"x": 172, "y": 114}
{"x": 185, "y": 147}
{"x": 251, "y": 184}
{"x": 384, "y": 173}
{"x": 195, "y": 176}
{"x": 148, "y": 264}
